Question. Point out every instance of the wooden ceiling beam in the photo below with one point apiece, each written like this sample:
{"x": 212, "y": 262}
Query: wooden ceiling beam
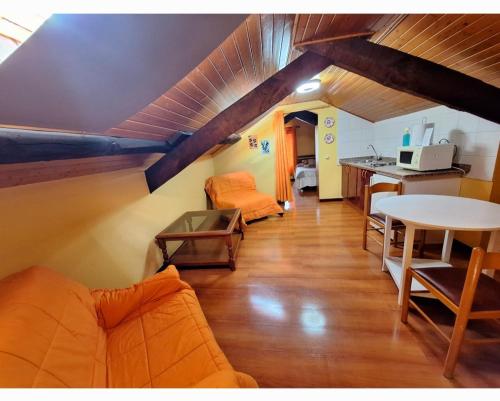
{"x": 335, "y": 38}
{"x": 23, "y": 146}
{"x": 236, "y": 116}
{"x": 416, "y": 76}
{"x": 304, "y": 115}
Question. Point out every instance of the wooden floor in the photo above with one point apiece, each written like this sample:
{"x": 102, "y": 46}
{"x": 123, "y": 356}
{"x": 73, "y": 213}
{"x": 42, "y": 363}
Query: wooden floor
{"x": 307, "y": 307}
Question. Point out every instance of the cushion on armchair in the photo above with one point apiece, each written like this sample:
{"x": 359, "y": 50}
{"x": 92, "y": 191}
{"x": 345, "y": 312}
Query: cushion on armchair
{"x": 55, "y": 332}
{"x": 238, "y": 190}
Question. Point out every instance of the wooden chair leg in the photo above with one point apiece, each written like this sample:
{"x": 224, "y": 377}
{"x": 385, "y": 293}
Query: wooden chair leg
{"x": 406, "y": 296}
{"x": 457, "y": 339}
{"x": 396, "y": 232}
{"x": 365, "y": 232}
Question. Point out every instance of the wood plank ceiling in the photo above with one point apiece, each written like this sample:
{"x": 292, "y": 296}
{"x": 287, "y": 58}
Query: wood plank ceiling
{"x": 263, "y": 44}
{"x": 467, "y": 43}
{"x": 256, "y": 50}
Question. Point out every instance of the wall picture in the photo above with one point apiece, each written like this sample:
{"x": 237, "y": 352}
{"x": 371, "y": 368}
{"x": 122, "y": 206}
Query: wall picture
{"x": 252, "y": 142}
{"x": 265, "y": 147}
{"x": 329, "y": 122}
{"x": 329, "y": 138}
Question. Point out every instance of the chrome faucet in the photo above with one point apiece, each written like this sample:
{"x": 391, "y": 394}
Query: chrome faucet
{"x": 377, "y": 157}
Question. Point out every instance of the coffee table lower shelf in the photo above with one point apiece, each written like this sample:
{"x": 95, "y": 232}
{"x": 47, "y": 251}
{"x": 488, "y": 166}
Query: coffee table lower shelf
{"x": 206, "y": 252}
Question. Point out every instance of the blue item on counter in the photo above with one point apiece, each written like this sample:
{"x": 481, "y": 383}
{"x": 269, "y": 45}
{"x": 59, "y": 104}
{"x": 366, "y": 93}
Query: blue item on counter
{"x": 406, "y": 137}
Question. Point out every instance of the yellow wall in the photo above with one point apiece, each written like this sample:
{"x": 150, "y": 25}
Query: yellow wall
{"x": 97, "y": 229}
{"x": 305, "y": 137}
{"x": 240, "y": 157}
{"x": 483, "y": 190}
{"x": 329, "y": 170}
{"x": 305, "y": 140}
{"x": 476, "y": 189}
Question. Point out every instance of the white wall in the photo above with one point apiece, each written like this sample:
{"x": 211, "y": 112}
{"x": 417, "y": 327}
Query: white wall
{"x": 477, "y": 139}
{"x": 354, "y": 135}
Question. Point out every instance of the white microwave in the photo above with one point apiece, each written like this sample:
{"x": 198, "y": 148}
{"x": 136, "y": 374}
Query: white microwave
{"x": 425, "y": 158}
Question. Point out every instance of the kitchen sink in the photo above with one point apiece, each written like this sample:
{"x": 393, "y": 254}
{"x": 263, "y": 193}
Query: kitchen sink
{"x": 375, "y": 163}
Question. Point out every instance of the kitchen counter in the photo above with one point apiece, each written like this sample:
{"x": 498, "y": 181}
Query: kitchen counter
{"x": 401, "y": 173}
{"x": 357, "y": 173}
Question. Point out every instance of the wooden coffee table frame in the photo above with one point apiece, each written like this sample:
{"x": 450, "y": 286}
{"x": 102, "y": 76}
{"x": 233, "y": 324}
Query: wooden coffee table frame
{"x": 203, "y": 248}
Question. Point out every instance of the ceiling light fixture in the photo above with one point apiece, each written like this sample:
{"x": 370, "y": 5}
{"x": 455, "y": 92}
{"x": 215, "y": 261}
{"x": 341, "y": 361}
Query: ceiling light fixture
{"x": 309, "y": 86}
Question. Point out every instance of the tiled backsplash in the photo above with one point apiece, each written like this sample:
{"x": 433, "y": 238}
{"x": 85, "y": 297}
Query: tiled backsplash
{"x": 355, "y": 134}
{"x": 477, "y": 139}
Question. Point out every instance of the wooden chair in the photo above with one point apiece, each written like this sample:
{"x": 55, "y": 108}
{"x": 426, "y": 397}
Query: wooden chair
{"x": 468, "y": 293}
{"x": 376, "y": 221}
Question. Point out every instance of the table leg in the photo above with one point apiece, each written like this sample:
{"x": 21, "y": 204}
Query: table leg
{"x": 491, "y": 248}
{"x": 407, "y": 258}
{"x": 229, "y": 243}
{"x": 447, "y": 245}
{"x": 240, "y": 222}
{"x": 387, "y": 241}
{"x": 162, "y": 244}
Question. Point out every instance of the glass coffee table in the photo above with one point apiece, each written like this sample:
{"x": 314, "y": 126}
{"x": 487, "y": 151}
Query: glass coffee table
{"x": 209, "y": 238}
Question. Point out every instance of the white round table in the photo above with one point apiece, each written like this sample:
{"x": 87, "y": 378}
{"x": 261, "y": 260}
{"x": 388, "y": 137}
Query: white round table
{"x": 434, "y": 212}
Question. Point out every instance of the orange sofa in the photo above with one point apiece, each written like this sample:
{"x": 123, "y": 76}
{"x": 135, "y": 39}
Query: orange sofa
{"x": 238, "y": 190}
{"x": 55, "y": 332}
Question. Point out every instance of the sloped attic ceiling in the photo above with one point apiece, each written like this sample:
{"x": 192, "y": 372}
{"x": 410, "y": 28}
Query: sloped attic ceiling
{"x": 90, "y": 72}
{"x": 258, "y": 47}
{"x": 263, "y": 44}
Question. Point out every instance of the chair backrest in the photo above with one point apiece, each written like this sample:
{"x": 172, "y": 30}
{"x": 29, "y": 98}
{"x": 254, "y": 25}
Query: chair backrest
{"x": 491, "y": 260}
{"x": 484, "y": 260}
{"x": 479, "y": 260}
{"x": 377, "y": 188}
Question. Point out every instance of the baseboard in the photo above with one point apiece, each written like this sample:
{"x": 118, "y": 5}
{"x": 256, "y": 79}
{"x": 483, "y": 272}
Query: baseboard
{"x": 330, "y": 199}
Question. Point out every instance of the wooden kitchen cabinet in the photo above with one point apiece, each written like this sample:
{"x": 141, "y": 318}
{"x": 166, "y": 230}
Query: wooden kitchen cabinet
{"x": 363, "y": 179}
{"x": 349, "y": 182}
{"x": 353, "y": 184}
{"x": 345, "y": 180}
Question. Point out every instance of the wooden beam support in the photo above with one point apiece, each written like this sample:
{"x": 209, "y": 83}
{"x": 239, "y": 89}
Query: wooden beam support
{"x": 22, "y": 146}
{"x": 303, "y": 115}
{"x": 413, "y": 75}
{"x": 334, "y": 38}
{"x": 236, "y": 116}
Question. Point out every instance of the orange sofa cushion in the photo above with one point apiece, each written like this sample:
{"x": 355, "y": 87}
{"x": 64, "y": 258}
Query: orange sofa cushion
{"x": 238, "y": 190}
{"x": 49, "y": 336}
{"x": 57, "y": 333}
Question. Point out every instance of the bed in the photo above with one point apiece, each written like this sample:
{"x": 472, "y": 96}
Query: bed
{"x": 305, "y": 174}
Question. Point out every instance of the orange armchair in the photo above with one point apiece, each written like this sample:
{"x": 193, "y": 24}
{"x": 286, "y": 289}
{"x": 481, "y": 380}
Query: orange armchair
{"x": 238, "y": 190}
{"x": 55, "y": 332}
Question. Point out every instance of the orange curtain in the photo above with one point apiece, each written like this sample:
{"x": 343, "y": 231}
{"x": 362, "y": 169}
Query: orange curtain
{"x": 291, "y": 149}
{"x": 283, "y": 184}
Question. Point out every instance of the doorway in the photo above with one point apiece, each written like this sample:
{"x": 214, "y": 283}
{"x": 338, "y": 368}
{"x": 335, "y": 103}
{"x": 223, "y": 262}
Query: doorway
{"x": 300, "y": 128}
